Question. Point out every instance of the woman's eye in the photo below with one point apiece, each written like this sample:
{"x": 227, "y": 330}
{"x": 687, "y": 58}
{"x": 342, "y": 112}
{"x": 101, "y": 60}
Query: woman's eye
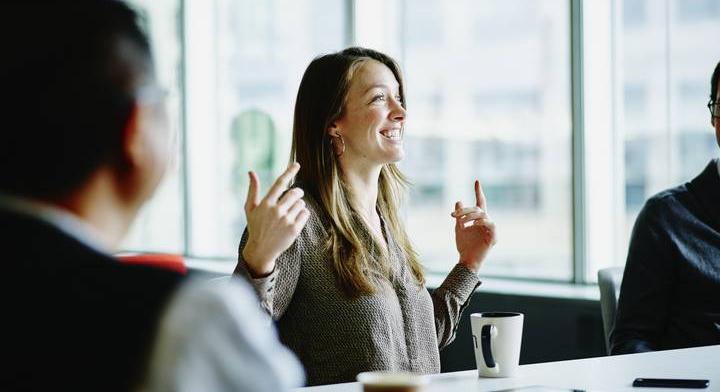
{"x": 398, "y": 98}
{"x": 379, "y": 97}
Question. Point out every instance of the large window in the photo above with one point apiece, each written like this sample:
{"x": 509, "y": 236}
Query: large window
{"x": 245, "y": 59}
{"x": 663, "y": 65}
{"x": 568, "y": 139}
{"x": 666, "y": 66}
{"x": 489, "y": 98}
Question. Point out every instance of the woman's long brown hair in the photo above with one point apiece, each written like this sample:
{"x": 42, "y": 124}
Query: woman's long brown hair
{"x": 320, "y": 101}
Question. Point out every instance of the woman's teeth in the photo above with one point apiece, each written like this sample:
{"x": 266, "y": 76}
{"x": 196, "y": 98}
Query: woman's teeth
{"x": 392, "y": 134}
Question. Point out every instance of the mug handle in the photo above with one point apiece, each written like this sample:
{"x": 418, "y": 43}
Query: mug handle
{"x": 488, "y": 332}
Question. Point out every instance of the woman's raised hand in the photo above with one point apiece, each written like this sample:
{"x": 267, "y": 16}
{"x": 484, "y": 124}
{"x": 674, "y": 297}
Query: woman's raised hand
{"x": 273, "y": 222}
{"x": 474, "y": 231}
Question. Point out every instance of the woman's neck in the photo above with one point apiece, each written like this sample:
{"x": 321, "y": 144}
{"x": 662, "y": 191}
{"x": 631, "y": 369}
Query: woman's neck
{"x": 364, "y": 187}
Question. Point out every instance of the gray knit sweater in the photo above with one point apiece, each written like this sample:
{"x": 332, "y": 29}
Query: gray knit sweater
{"x": 401, "y": 327}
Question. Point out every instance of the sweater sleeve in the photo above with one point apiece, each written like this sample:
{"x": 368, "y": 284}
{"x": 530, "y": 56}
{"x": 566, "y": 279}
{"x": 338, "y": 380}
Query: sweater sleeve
{"x": 276, "y": 290}
{"x": 647, "y": 284}
{"x": 450, "y": 300}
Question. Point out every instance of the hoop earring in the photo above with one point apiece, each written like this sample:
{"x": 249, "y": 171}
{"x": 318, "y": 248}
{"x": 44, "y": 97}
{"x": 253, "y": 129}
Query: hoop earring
{"x": 338, "y": 149}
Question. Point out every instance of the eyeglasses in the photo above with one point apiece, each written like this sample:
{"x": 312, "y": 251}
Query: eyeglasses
{"x": 714, "y": 107}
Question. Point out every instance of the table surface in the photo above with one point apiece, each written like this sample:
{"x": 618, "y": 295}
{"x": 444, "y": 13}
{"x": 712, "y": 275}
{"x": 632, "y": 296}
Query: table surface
{"x": 614, "y": 373}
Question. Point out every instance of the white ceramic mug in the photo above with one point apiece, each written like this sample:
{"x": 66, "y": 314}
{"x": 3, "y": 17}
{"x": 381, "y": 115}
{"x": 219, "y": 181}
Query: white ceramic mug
{"x": 497, "y": 337}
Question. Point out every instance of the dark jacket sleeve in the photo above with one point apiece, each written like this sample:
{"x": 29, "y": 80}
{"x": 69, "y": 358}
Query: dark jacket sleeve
{"x": 647, "y": 282}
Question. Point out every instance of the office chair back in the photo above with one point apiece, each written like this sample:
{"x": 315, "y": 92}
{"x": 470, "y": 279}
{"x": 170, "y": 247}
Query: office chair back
{"x": 172, "y": 262}
{"x": 609, "y": 281}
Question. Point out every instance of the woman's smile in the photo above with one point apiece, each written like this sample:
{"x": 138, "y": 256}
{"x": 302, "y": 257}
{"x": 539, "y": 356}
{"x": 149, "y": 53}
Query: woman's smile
{"x": 393, "y": 134}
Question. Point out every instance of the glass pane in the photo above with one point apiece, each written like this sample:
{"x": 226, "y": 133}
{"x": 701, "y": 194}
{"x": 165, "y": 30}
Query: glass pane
{"x": 645, "y": 103}
{"x": 245, "y": 61}
{"x": 159, "y": 225}
{"x": 489, "y": 98}
{"x": 666, "y": 68}
{"x": 692, "y": 62}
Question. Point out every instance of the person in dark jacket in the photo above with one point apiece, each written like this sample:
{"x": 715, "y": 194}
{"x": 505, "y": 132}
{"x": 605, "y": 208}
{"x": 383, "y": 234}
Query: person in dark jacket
{"x": 84, "y": 145}
{"x": 670, "y": 295}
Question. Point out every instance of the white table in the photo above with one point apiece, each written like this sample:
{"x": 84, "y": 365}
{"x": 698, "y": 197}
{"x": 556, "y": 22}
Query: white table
{"x": 614, "y": 373}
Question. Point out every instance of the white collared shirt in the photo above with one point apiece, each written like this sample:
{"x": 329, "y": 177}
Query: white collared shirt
{"x": 62, "y": 219}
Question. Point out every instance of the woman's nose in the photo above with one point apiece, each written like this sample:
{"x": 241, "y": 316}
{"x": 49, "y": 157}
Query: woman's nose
{"x": 398, "y": 111}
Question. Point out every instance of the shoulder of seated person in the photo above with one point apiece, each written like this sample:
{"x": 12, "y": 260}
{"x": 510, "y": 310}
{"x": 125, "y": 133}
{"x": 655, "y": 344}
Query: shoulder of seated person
{"x": 667, "y": 208}
{"x": 667, "y": 198}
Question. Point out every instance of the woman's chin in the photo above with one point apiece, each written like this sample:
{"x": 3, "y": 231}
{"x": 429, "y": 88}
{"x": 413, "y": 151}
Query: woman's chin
{"x": 397, "y": 156}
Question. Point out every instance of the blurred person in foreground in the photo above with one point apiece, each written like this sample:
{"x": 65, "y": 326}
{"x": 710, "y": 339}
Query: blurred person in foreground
{"x": 670, "y": 294}
{"x": 84, "y": 145}
{"x": 349, "y": 294}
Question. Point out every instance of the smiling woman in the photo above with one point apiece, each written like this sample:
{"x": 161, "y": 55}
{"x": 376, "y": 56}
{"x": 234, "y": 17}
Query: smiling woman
{"x": 349, "y": 294}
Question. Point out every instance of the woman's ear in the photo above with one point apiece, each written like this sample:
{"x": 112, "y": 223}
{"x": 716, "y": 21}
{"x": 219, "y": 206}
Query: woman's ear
{"x": 333, "y": 130}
